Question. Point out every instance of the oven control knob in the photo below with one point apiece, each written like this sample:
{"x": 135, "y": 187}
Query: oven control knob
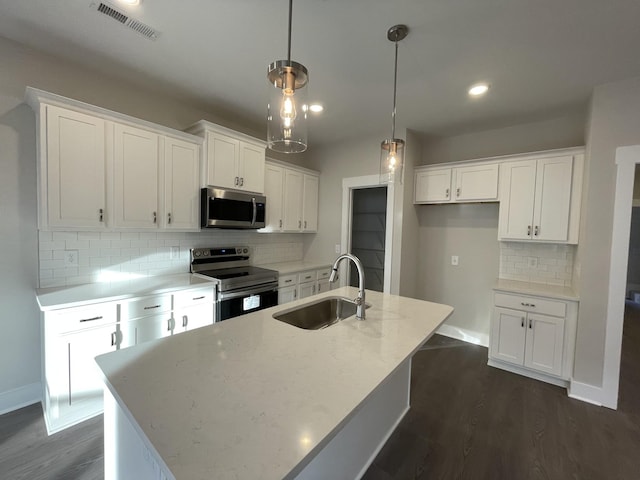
{"x": 196, "y": 254}
{"x": 246, "y": 250}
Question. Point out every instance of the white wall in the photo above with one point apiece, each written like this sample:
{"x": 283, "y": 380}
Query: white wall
{"x": 614, "y": 121}
{"x": 21, "y": 66}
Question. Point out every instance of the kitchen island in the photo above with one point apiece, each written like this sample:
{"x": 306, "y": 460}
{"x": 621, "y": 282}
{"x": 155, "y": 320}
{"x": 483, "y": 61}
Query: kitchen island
{"x": 253, "y": 397}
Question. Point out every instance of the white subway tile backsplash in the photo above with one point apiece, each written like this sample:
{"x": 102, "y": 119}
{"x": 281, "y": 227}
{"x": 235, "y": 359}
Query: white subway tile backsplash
{"x": 110, "y": 256}
{"x": 550, "y": 264}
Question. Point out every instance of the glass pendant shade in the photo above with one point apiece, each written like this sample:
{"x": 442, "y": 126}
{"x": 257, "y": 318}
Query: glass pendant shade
{"x": 391, "y": 160}
{"x": 287, "y": 107}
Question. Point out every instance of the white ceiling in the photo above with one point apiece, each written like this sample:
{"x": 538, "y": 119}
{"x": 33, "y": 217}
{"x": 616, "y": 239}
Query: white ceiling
{"x": 541, "y": 57}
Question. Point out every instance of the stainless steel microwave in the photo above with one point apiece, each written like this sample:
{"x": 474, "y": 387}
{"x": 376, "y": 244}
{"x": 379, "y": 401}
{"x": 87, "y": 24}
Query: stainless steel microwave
{"x": 221, "y": 208}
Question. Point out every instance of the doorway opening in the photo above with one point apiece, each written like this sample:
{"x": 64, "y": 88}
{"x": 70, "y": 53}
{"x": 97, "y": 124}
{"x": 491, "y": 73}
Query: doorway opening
{"x": 368, "y": 231}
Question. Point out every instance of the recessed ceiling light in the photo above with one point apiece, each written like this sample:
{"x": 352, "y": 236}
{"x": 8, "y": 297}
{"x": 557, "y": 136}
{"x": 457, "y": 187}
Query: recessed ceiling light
{"x": 478, "y": 89}
{"x": 316, "y": 107}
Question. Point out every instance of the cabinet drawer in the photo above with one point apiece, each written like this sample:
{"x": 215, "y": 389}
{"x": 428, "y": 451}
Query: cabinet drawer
{"x": 287, "y": 280}
{"x": 309, "y": 276}
{"x": 324, "y": 273}
{"x": 531, "y": 304}
{"x": 79, "y": 318}
{"x": 141, "y": 307}
{"x": 190, "y": 298}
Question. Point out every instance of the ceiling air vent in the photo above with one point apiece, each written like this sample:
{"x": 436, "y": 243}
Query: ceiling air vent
{"x": 126, "y": 20}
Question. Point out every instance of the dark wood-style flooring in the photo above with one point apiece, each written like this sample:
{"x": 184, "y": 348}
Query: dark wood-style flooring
{"x": 467, "y": 421}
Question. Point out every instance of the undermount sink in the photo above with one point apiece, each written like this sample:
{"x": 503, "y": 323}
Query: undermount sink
{"x": 319, "y": 314}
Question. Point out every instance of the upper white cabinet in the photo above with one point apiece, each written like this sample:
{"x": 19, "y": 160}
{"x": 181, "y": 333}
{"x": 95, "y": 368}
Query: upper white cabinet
{"x": 292, "y": 199}
{"x": 469, "y": 183}
{"x": 99, "y": 169}
{"x": 540, "y": 199}
{"x": 72, "y": 180}
{"x": 231, "y": 159}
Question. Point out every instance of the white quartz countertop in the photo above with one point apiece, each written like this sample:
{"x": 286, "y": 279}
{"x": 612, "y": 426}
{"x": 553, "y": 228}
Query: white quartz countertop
{"x": 539, "y": 289}
{"x": 253, "y": 397}
{"x": 78, "y": 295}
{"x": 291, "y": 267}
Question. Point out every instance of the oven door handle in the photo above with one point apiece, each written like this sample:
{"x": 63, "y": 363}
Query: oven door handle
{"x": 255, "y": 210}
{"x": 247, "y": 293}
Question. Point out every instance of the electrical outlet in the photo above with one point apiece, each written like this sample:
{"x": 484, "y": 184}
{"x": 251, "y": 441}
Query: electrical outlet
{"x": 455, "y": 260}
{"x": 338, "y": 248}
{"x": 174, "y": 253}
{"x": 71, "y": 258}
{"x": 533, "y": 262}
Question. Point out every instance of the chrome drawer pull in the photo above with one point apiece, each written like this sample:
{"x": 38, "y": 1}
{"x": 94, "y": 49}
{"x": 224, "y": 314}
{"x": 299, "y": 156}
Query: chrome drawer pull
{"x": 151, "y": 308}
{"x": 288, "y": 281}
{"x": 522, "y": 324}
{"x": 91, "y": 319}
{"x": 528, "y": 304}
{"x": 198, "y": 298}
{"x": 114, "y": 339}
{"x": 185, "y": 320}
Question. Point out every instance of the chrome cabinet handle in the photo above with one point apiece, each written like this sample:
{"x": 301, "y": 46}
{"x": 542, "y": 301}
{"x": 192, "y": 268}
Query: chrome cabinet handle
{"x": 198, "y": 298}
{"x": 101, "y": 215}
{"x": 522, "y": 324}
{"x": 305, "y": 224}
{"x": 237, "y": 181}
{"x": 299, "y": 224}
{"x": 241, "y": 181}
{"x": 446, "y": 193}
{"x": 152, "y": 307}
{"x": 255, "y": 210}
{"x": 155, "y": 217}
{"x": 280, "y": 223}
{"x": 114, "y": 339}
{"x": 185, "y": 320}
{"x": 288, "y": 281}
{"x": 313, "y": 289}
{"x": 169, "y": 218}
{"x": 530, "y": 321}
{"x": 457, "y": 192}
{"x": 295, "y": 294}
{"x": 169, "y": 325}
{"x": 91, "y": 319}
{"x": 527, "y": 304}
{"x": 528, "y": 230}
{"x": 536, "y": 230}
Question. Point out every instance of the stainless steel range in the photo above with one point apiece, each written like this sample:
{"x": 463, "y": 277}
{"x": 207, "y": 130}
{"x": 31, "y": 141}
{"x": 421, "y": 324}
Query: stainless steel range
{"x": 240, "y": 287}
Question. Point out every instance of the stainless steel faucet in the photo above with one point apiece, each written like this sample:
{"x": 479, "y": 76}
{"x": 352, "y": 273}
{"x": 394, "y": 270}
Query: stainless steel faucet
{"x": 360, "y": 305}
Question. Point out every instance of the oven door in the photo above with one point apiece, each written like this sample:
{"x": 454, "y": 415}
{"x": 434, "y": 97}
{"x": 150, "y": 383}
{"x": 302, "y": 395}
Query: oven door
{"x": 233, "y": 304}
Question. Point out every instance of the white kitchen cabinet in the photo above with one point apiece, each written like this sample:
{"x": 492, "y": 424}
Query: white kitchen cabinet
{"x": 136, "y": 177}
{"x": 533, "y": 336}
{"x": 101, "y": 170}
{"x": 193, "y": 309}
{"x": 302, "y": 284}
{"x": 307, "y": 289}
{"x": 231, "y": 159}
{"x": 181, "y": 185}
{"x": 540, "y": 198}
{"x": 147, "y": 328}
{"x": 287, "y": 294}
{"x": 292, "y": 199}
{"x": 476, "y": 182}
{"x": 72, "y": 179}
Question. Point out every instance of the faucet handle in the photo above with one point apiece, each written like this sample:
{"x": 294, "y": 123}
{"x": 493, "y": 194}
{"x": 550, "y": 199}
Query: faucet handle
{"x": 358, "y": 300}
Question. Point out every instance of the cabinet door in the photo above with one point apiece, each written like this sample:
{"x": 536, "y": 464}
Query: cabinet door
{"x": 85, "y": 385}
{"x": 252, "y": 165}
{"x": 136, "y": 164}
{"x": 323, "y": 286}
{"x": 287, "y": 294}
{"x": 273, "y": 190}
{"x": 181, "y": 185}
{"x": 517, "y": 196}
{"x": 193, "y": 317}
{"x": 306, "y": 289}
{"x": 147, "y": 328}
{"x": 310, "y": 203}
{"x": 545, "y": 337}
{"x": 477, "y": 182}
{"x": 223, "y": 161}
{"x": 75, "y": 169}
{"x": 433, "y": 186}
{"x": 292, "y": 204}
{"x": 553, "y": 199}
{"x": 508, "y": 331}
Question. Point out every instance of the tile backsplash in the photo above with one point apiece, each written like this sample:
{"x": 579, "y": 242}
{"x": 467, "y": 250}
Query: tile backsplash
{"x": 110, "y": 256}
{"x": 550, "y": 264}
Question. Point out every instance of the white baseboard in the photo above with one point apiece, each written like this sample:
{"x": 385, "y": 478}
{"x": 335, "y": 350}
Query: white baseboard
{"x": 463, "y": 334}
{"x": 586, "y": 393}
{"x": 20, "y": 397}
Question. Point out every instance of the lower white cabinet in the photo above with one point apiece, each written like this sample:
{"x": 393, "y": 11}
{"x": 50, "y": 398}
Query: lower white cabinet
{"x": 533, "y": 336}
{"x": 303, "y": 284}
{"x": 73, "y": 337}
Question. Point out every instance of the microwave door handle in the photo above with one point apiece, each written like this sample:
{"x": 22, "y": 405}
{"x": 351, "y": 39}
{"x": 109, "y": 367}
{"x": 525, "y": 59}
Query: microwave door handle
{"x": 255, "y": 210}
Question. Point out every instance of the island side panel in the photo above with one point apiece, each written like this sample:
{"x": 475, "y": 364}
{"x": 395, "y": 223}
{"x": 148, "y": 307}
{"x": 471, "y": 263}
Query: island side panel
{"x": 350, "y": 453}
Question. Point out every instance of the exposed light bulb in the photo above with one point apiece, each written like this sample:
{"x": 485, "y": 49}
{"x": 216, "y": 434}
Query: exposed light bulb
{"x": 288, "y": 112}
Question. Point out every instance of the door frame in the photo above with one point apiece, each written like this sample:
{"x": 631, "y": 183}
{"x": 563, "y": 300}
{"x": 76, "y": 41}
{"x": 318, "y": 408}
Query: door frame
{"x": 357, "y": 183}
{"x": 626, "y": 160}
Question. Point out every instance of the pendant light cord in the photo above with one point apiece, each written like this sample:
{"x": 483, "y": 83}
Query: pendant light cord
{"x": 395, "y": 82}
{"x": 290, "y": 20}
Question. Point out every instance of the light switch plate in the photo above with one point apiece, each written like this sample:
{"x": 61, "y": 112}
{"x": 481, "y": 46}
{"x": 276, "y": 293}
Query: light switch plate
{"x": 455, "y": 260}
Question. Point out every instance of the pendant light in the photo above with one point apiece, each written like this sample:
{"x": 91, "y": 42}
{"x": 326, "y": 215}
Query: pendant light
{"x": 287, "y": 108}
{"x": 392, "y": 150}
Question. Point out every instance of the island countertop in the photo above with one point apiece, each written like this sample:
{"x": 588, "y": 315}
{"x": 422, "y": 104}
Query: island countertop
{"x": 253, "y": 397}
